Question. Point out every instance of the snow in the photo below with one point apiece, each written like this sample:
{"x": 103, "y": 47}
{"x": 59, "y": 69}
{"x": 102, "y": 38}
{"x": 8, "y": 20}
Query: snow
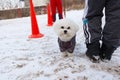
{"x": 12, "y": 4}
{"x": 22, "y": 58}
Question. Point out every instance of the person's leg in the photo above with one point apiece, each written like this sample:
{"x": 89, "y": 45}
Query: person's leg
{"x": 92, "y": 27}
{"x": 53, "y": 9}
{"x": 59, "y": 7}
{"x": 111, "y": 32}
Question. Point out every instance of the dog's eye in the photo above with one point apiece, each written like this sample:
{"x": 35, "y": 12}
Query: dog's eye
{"x": 62, "y": 27}
{"x": 68, "y": 28}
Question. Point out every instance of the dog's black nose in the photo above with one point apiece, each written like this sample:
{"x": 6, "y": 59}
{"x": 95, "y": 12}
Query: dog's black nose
{"x": 65, "y": 31}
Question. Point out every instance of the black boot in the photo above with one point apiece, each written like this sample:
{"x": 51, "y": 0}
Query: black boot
{"x": 54, "y": 18}
{"x": 60, "y": 16}
{"x": 93, "y": 50}
{"x": 106, "y": 52}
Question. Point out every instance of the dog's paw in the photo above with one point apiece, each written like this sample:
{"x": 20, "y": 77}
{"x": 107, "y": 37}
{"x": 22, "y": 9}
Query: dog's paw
{"x": 70, "y": 54}
{"x": 64, "y": 54}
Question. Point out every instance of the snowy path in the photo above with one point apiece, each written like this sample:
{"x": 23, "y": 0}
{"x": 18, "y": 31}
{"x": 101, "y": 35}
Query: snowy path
{"x": 39, "y": 59}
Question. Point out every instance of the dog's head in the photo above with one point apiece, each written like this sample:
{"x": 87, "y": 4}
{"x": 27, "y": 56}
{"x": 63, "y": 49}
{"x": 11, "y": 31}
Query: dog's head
{"x": 65, "y": 29}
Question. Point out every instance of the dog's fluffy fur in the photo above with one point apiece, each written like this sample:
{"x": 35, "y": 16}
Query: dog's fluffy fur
{"x": 66, "y": 32}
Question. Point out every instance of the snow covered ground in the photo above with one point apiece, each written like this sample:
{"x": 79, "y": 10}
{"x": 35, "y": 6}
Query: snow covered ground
{"x": 39, "y": 59}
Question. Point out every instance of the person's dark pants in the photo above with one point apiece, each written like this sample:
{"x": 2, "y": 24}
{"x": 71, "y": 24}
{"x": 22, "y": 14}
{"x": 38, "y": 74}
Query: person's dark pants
{"x": 110, "y": 34}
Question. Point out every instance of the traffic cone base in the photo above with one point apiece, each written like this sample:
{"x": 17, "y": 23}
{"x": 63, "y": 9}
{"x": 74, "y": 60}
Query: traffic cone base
{"x": 34, "y": 25}
{"x": 50, "y": 24}
{"x": 36, "y": 36}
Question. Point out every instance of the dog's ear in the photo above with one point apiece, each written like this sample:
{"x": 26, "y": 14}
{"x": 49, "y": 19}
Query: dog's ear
{"x": 56, "y": 27}
{"x": 74, "y": 25}
{"x": 77, "y": 27}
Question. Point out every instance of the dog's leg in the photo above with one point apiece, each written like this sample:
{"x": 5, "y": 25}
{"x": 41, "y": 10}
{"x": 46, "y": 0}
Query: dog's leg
{"x": 64, "y": 54}
{"x": 70, "y": 55}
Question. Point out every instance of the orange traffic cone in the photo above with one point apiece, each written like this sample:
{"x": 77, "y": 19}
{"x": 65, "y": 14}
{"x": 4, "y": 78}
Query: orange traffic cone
{"x": 34, "y": 25}
{"x": 50, "y": 23}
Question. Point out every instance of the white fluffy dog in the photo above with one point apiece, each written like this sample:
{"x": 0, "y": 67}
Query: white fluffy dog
{"x": 66, "y": 32}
